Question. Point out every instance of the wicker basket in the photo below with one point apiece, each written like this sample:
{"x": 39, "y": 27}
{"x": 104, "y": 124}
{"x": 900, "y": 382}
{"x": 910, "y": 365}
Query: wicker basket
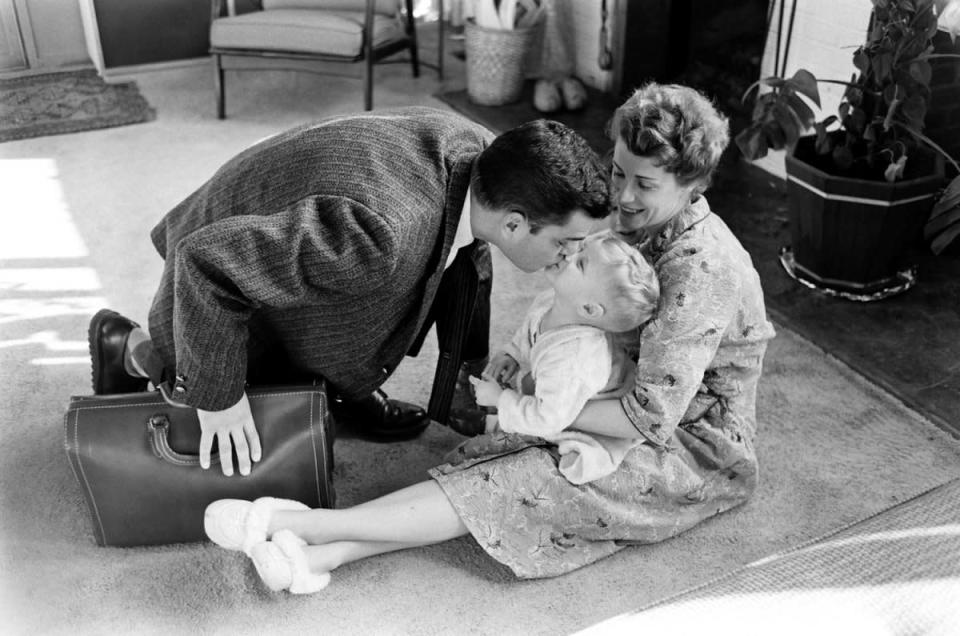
{"x": 495, "y": 63}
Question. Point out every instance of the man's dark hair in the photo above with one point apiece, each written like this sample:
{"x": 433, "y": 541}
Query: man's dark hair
{"x": 543, "y": 170}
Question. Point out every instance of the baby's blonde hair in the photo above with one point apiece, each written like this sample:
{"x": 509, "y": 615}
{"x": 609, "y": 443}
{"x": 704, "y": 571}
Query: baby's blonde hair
{"x": 630, "y": 290}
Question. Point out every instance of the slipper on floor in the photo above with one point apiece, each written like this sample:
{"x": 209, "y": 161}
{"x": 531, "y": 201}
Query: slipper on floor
{"x": 282, "y": 565}
{"x": 236, "y": 524}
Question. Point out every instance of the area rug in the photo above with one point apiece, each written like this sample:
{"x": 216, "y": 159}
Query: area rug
{"x": 59, "y": 103}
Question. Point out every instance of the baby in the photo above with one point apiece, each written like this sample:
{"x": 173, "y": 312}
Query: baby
{"x": 573, "y": 344}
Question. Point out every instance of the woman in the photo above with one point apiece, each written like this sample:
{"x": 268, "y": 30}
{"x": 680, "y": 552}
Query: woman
{"x": 693, "y": 402}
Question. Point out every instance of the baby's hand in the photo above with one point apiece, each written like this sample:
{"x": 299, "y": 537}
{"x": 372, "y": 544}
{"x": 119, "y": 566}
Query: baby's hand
{"x": 502, "y": 368}
{"x": 488, "y": 391}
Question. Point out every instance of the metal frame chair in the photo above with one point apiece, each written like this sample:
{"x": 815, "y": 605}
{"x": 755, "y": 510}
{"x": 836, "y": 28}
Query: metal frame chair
{"x": 369, "y": 53}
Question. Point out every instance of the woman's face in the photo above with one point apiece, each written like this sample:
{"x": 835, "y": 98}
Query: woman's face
{"x": 646, "y": 196}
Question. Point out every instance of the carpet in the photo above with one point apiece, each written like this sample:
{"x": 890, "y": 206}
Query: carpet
{"x": 833, "y": 449}
{"x": 59, "y": 103}
{"x": 896, "y": 572}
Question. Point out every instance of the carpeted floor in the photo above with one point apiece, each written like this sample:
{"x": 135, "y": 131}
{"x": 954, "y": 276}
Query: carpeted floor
{"x": 58, "y": 103}
{"x": 834, "y": 447}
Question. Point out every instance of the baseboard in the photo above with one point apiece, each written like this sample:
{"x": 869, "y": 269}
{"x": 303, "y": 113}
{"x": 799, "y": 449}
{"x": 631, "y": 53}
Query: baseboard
{"x": 28, "y": 72}
{"x": 130, "y": 72}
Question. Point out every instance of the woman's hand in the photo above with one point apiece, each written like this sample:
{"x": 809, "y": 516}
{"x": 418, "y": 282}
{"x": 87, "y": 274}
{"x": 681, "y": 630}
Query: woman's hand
{"x": 488, "y": 391}
{"x": 502, "y": 368}
{"x": 234, "y": 429}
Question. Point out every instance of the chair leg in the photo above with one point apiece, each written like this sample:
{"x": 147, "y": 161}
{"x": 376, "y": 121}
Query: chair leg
{"x": 218, "y": 87}
{"x": 368, "y": 85}
{"x": 412, "y": 33}
{"x": 440, "y": 36}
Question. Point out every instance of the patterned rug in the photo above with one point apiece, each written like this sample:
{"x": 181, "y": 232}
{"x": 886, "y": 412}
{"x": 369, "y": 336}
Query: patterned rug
{"x": 59, "y": 103}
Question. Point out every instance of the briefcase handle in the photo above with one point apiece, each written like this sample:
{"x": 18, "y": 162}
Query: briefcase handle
{"x": 159, "y": 428}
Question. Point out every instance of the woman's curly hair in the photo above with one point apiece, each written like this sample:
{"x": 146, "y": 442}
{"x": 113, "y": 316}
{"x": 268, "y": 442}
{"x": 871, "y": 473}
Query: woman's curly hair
{"x": 677, "y": 127}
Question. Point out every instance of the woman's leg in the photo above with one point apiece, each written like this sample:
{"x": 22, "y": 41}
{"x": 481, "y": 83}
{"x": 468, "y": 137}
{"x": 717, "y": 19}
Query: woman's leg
{"x": 330, "y": 556}
{"x": 413, "y": 516}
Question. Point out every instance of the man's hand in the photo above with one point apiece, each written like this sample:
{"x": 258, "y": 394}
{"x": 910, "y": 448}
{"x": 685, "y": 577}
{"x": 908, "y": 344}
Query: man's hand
{"x": 502, "y": 368}
{"x": 488, "y": 391}
{"x": 234, "y": 429}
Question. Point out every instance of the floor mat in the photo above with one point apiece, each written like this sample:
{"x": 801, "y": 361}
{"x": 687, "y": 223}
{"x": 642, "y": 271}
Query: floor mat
{"x": 59, "y": 103}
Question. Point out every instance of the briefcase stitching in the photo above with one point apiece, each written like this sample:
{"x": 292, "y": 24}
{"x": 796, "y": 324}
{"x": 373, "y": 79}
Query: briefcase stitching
{"x": 313, "y": 447}
{"x": 86, "y": 482}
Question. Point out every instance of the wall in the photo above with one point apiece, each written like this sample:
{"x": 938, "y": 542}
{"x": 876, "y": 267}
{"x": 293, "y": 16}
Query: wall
{"x": 135, "y": 32}
{"x": 52, "y": 34}
{"x": 825, "y": 34}
{"x": 943, "y": 118}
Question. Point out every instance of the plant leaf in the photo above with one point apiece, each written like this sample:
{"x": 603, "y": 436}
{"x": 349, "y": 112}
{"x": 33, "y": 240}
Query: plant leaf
{"x": 752, "y": 143}
{"x": 944, "y": 238}
{"x": 920, "y": 70}
{"x": 861, "y": 61}
{"x": 824, "y": 143}
{"x": 777, "y": 133}
{"x": 948, "y": 200}
{"x": 914, "y": 109}
{"x": 803, "y": 112}
{"x": 882, "y": 65}
{"x": 804, "y": 82}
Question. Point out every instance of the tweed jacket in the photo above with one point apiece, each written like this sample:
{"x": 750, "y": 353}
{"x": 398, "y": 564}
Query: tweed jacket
{"x": 327, "y": 241}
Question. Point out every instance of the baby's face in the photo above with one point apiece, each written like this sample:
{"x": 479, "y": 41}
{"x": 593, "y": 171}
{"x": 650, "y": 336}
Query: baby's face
{"x": 579, "y": 275}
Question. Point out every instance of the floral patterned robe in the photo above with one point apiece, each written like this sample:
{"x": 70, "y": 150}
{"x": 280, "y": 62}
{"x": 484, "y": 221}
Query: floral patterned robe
{"x": 694, "y": 402}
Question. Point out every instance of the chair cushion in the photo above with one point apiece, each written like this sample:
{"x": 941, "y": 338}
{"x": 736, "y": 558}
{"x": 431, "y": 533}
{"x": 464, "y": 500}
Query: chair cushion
{"x": 386, "y": 7}
{"x": 301, "y": 31}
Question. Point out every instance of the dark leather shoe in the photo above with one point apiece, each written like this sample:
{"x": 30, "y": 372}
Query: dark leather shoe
{"x": 107, "y": 337}
{"x": 469, "y": 422}
{"x": 466, "y": 416}
{"x": 380, "y": 419}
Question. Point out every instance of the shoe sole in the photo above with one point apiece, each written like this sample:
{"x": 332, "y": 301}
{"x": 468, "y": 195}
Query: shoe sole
{"x": 93, "y": 343}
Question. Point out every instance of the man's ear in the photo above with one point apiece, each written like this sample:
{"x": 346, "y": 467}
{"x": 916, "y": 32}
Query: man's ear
{"x": 513, "y": 224}
{"x": 591, "y": 310}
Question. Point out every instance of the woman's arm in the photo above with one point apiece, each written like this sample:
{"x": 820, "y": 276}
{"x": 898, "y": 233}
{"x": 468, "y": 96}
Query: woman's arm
{"x": 698, "y": 299}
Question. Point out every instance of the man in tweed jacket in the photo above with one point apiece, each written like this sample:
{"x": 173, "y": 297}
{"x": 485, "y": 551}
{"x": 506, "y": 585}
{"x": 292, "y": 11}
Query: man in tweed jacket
{"x": 320, "y": 252}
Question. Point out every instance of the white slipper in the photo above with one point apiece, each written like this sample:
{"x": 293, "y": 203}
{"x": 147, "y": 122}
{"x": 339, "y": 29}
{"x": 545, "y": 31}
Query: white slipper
{"x": 236, "y": 524}
{"x": 282, "y": 565}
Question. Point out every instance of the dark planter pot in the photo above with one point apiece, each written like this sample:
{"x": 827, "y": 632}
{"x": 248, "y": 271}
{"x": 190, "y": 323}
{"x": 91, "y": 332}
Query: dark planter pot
{"x": 854, "y": 237}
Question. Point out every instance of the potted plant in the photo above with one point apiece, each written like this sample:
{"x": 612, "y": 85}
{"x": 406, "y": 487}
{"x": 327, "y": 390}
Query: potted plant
{"x": 862, "y": 188}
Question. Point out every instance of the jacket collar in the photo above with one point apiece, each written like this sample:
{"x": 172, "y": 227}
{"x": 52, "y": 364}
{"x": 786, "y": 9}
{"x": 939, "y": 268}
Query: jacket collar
{"x": 657, "y": 244}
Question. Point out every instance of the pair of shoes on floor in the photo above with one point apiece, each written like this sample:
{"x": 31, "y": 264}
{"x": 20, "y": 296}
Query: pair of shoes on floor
{"x": 279, "y": 560}
{"x": 552, "y": 95}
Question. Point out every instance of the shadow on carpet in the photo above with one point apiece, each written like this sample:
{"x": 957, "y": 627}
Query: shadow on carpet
{"x": 59, "y": 103}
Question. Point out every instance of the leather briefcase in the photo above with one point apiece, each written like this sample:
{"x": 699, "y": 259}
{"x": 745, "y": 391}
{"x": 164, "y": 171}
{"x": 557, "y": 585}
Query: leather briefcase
{"x": 135, "y": 458}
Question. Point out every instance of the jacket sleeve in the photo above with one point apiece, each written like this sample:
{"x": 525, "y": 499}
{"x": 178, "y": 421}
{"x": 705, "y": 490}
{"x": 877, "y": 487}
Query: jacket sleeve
{"x": 567, "y": 375}
{"x": 698, "y": 299}
{"x": 227, "y": 270}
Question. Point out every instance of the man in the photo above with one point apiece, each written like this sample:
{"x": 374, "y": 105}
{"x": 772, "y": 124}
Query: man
{"x": 330, "y": 249}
